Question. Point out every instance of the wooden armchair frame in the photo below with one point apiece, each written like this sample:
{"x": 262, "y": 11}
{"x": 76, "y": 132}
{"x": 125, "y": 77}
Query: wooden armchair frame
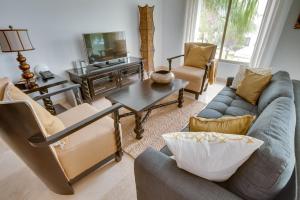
{"x": 206, "y": 73}
{"x": 20, "y": 130}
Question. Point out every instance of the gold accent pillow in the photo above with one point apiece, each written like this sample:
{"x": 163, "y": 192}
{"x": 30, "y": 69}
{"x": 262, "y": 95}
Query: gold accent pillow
{"x": 253, "y": 85}
{"x": 50, "y": 123}
{"x": 198, "y": 56}
{"x": 230, "y": 125}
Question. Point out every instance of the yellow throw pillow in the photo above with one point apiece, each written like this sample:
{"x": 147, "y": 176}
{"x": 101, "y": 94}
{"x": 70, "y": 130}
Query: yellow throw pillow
{"x": 50, "y": 123}
{"x": 230, "y": 125}
{"x": 198, "y": 56}
{"x": 253, "y": 85}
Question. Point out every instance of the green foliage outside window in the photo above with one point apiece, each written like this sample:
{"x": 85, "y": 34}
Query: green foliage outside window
{"x": 240, "y": 23}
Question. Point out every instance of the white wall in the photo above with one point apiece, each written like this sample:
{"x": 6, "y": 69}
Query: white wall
{"x": 287, "y": 54}
{"x": 173, "y": 28}
{"x": 56, "y": 28}
{"x": 226, "y": 70}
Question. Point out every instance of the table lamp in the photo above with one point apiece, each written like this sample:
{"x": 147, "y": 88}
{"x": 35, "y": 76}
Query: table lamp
{"x": 17, "y": 40}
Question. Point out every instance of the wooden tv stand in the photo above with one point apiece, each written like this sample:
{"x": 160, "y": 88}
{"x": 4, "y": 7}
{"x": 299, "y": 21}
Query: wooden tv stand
{"x": 101, "y": 80}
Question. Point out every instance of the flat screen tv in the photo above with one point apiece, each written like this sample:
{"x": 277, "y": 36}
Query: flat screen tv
{"x": 105, "y": 46}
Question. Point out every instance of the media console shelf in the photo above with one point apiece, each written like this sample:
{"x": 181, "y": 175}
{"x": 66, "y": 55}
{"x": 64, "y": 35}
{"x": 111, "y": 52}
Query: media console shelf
{"x": 101, "y": 80}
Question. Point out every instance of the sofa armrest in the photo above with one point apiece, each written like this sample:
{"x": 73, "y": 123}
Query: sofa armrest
{"x": 229, "y": 81}
{"x": 158, "y": 177}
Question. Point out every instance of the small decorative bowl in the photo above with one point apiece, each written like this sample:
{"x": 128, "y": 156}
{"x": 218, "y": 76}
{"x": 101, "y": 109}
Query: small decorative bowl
{"x": 162, "y": 77}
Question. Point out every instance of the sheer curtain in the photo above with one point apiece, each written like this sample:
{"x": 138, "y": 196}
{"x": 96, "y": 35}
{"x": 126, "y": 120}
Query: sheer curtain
{"x": 272, "y": 24}
{"x": 191, "y": 20}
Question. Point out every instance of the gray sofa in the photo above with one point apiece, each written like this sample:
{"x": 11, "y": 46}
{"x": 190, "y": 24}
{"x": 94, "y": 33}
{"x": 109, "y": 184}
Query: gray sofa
{"x": 270, "y": 173}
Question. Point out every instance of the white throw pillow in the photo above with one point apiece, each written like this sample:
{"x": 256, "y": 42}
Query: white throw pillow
{"x": 213, "y": 156}
{"x": 241, "y": 74}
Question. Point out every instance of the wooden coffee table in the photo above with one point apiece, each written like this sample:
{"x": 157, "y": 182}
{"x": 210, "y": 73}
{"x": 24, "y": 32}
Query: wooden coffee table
{"x": 142, "y": 97}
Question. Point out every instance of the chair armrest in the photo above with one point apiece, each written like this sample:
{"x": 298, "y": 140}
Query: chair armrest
{"x": 39, "y": 141}
{"x": 229, "y": 81}
{"x": 208, "y": 66}
{"x": 158, "y": 177}
{"x": 59, "y": 91}
{"x": 170, "y": 60}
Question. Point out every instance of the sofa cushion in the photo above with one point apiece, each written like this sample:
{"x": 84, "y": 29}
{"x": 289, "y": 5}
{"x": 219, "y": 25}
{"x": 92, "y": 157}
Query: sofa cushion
{"x": 280, "y": 86}
{"x": 228, "y": 103}
{"x": 269, "y": 169}
{"x": 296, "y": 184}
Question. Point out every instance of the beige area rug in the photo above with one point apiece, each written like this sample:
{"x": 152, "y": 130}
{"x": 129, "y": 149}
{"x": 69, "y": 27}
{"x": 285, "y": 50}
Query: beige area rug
{"x": 162, "y": 120}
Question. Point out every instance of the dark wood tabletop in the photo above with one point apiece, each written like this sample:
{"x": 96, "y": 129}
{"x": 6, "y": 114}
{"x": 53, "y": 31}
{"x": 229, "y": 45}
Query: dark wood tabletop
{"x": 142, "y": 95}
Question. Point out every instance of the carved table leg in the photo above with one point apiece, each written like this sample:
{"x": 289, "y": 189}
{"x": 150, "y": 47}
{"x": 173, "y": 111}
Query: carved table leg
{"x": 119, "y": 153}
{"x": 48, "y": 102}
{"x": 180, "y": 98}
{"x": 86, "y": 91}
{"x": 138, "y": 126}
{"x": 77, "y": 96}
{"x": 142, "y": 71}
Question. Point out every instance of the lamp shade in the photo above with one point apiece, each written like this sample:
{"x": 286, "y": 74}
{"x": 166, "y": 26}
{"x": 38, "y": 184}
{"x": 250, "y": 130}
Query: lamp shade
{"x": 15, "y": 40}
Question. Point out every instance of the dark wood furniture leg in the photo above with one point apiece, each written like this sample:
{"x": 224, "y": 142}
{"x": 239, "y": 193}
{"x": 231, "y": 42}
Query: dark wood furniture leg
{"x": 180, "y": 98}
{"x": 77, "y": 96}
{"x": 48, "y": 102}
{"x": 138, "y": 125}
{"x": 197, "y": 95}
{"x": 85, "y": 89}
{"x": 119, "y": 153}
{"x": 142, "y": 71}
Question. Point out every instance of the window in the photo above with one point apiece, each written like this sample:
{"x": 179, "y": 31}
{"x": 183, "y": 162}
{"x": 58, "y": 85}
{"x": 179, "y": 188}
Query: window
{"x": 233, "y": 25}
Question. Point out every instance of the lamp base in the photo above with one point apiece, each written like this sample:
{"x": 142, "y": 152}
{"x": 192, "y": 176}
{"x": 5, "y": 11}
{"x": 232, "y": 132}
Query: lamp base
{"x": 27, "y": 75}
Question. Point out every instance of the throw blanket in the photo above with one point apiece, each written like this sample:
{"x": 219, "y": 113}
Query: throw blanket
{"x": 212, "y": 73}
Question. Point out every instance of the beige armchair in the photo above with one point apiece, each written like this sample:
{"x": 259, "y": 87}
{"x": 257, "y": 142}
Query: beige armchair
{"x": 90, "y": 139}
{"x": 198, "y": 76}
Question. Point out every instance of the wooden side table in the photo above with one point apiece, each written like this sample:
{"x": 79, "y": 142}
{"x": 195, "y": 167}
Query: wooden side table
{"x": 42, "y": 88}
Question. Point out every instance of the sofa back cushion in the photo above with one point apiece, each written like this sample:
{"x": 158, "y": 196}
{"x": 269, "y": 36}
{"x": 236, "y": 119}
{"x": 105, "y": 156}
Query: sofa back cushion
{"x": 280, "y": 86}
{"x": 269, "y": 169}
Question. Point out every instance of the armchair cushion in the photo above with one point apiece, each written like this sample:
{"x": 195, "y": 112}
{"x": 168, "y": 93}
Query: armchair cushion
{"x": 280, "y": 86}
{"x": 198, "y": 56}
{"x": 49, "y": 124}
{"x": 87, "y": 146}
{"x": 192, "y": 74}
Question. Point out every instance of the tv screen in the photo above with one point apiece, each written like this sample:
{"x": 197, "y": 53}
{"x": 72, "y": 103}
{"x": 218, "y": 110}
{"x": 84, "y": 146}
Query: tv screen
{"x": 105, "y": 46}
